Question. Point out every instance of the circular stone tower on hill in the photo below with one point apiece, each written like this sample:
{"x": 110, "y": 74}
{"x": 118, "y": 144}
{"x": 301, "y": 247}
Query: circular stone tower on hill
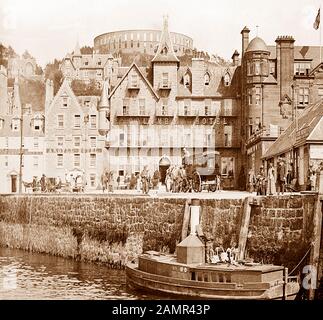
{"x": 143, "y": 41}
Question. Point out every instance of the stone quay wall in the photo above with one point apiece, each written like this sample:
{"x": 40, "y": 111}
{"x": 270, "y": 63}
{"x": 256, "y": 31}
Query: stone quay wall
{"x": 115, "y": 229}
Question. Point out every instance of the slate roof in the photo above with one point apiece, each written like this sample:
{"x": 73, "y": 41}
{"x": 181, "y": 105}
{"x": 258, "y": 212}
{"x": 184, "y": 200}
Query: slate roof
{"x": 308, "y": 128}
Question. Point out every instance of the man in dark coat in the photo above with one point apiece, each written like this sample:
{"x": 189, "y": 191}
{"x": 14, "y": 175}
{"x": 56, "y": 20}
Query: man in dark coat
{"x": 281, "y": 176}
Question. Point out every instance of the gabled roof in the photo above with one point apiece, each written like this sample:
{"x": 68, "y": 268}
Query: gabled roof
{"x": 308, "y": 128}
{"x": 142, "y": 76}
{"x": 165, "y": 51}
{"x": 318, "y": 68}
{"x": 65, "y": 87}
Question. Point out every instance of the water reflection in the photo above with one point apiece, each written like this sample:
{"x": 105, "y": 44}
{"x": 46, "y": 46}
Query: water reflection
{"x": 25, "y": 275}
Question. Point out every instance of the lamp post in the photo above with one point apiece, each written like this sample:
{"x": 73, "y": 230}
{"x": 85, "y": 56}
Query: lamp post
{"x": 21, "y": 151}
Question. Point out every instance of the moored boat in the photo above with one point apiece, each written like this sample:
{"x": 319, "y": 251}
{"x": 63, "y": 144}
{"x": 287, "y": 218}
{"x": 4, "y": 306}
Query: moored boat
{"x": 188, "y": 274}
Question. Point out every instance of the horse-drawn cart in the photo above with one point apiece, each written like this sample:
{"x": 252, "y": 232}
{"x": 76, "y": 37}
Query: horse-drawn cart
{"x": 202, "y": 171}
{"x": 199, "y": 172}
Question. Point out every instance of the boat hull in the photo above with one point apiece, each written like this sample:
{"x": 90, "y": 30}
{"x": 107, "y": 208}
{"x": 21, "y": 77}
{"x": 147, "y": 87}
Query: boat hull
{"x": 202, "y": 290}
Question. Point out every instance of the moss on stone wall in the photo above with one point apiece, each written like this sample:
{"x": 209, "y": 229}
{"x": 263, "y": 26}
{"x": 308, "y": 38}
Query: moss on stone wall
{"x": 113, "y": 228}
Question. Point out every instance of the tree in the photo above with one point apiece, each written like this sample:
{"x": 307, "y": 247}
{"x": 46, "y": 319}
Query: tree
{"x": 27, "y": 55}
{"x": 86, "y": 50}
{"x": 53, "y": 72}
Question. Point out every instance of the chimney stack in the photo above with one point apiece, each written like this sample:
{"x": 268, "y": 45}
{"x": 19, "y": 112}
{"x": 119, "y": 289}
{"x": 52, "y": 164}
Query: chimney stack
{"x": 245, "y": 39}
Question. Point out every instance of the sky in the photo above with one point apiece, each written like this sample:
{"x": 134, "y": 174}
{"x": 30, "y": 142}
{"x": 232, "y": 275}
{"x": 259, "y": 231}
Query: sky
{"x": 50, "y": 29}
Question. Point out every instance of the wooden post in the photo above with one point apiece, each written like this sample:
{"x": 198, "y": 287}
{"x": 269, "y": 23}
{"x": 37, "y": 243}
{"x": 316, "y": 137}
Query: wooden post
{"x": 186, "y": 219}
{"x": 244, "y": 228}
{"x": 285, "y": 284}
{"x": 317, "y": 233}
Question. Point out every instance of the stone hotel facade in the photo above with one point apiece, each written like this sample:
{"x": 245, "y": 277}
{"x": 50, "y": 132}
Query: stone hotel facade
{"x": 147, "y": 113}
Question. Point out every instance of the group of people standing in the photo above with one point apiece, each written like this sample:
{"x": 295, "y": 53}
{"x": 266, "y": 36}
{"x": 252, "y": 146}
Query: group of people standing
{"x": 273, "y": 182}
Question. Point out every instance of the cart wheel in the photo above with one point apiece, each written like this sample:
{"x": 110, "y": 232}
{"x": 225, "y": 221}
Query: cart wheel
{"x": 197, "y": 183}
{"x": 185, "y": 186}
{"x": 213, "y": 187}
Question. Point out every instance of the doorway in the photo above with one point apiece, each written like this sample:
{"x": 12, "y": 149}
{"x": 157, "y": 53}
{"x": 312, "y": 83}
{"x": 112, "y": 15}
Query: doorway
{"x": 164, "y": 164}
{"x": 13, "y": 184}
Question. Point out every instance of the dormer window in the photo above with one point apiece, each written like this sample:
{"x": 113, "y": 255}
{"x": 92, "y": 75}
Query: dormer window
{"x": 15, "y": 124}
{"x": 164, "y": 51}
{"x": 227, "y": 79}
{"x": 99, "y": 62}
{"x": 65, "y": 102}
{"x": 207, "y": 79}
{"x": 37, "y": 124}
{"x": 187, "y": 80}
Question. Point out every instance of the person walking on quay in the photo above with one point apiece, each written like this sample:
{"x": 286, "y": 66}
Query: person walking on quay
{"x": 110, "y": 182}
{"x": 281, "y": 176}
{"x": 261, "y": 182}
{"x": 271, "y": 188}
{"x": 313, "y": 180}
{"x": 43, "y": 183}
{"x": 138, "y": 184}
{"x": 251, "y": 181}
{"x": 145, "y": 180}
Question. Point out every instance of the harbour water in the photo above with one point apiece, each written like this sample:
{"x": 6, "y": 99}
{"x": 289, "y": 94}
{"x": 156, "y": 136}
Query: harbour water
{"x": 25, "y": 275}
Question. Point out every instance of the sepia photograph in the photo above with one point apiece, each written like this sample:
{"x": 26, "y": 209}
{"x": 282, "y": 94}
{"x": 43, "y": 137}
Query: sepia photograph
{"x": 158, "y": 150}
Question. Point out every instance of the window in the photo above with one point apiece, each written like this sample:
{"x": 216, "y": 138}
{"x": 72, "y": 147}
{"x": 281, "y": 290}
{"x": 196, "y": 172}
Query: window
{"x": 64, "y": 102}
{"x": 320, "y": 93}
{"x": 35, "y": 161}
{"x": 228, "y": 136}
{"x": 187, "y": 139}
{"x": 122, "y": 139}
{"x": 93, "y": 121}
{"x": 15, "y": 124}
{"x": 250, "y": 97}
{"x": 125, "y": 108}
{"x": 92, "y": 160}
{"x": 228, "y": 107}
{"x": 206, "y": 110}
{"x": 134, "y": 80}
{"x": 187, "y": 80}
{"x": 142, "y": 107}
{"x": 60, "y": 142}
{"x": 185, "y": 110}
{"x": 227, "y": 166}
{"x": 207, "y": 79}
{"x": 303, "y": 97}
{"x": 77, "y": 160}
{"x": 99, "y": 73}
{"x": 257, "y": 68}
{"x": 36, "y": 143}
{"x": 86, "y": 62}
{"x": 227, "y": 79}
{"x": 6, "y": 162}
{"x": 250, "y": 127}
{"x": 272, "y": 67}
{"x": 164, "y": 111}
{"x": 92, "y": 180}
{"x": 60, "y": 161}
{"x": 302, "y": 68}
{"x": 99, "y": 62}
{"x": 165, "y": 79}
{"x": 258, "y": 96}
{"x": 77, "y": 141}
{"x": 93, "y": 142}
{"x": 60, "y": 121}
{"x": 37, "y": 124}
{"x": 77, "y": 121}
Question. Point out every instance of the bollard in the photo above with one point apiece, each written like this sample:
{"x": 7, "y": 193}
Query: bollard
{"x": 195, "y": 215}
